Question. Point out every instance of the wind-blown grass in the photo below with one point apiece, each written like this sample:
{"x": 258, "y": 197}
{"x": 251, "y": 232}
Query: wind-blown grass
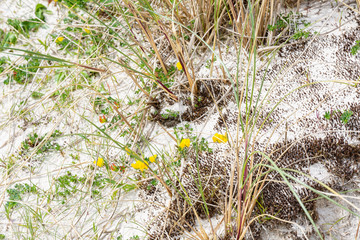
{"x": 145, "y": 40}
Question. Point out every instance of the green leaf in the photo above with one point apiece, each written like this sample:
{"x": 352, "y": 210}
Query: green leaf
{"x": 36, "y": 95}
{"x": 354, "y": 50}
{"x": 327, "y": 115}
{"x": 39, "y": 11}
{"x": 345, "y": 117}
{"x": 129, "y": 187}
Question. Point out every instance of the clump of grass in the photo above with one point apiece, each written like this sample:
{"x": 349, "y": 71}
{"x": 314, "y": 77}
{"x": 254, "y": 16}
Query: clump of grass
{"x": 155, "y": 49}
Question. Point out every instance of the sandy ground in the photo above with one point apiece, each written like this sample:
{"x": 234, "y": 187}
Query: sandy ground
{"x": 316, "y": 75}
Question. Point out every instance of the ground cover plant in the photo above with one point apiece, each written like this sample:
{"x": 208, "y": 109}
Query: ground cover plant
{"x": 179, "y": 119}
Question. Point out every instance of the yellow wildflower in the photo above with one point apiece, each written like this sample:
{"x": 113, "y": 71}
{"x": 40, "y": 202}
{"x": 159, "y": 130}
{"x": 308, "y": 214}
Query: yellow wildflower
{"x": 219, "y": 138}
{"x": 129, "y": 152}
{"x": 153, "y": 158}
{"x": 99, "y": 162}
{"x": 87, "y": 31}
{"x": 184, "y": 143}
{"x": 60, "y": 39}
{"x": 179, "y": 66}
{"x": 139, "y": 165}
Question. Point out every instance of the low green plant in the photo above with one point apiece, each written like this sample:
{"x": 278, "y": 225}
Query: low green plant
{"x": 202, "y": 145}
{"x": 105, "y": 105}
{"x": 262, "y": 210}
{"x": 170, "y": 114}
{"x": 345, "y": 116}
{"x": 327, "y": 115}
{"x": 3, "y": 62}
{"x": 16, "y": 195}
{"x": 24, "y": 73}
{"x": 68, "y": 185}
{"x": 199, "y": 144}
{"x": 30, "y": 25}
{"x": 63, "y": 96}
{"x": 75, "y": 3}
{"x": 301, "y": 34}
{"x": 7, "y": 39}
{"x": 282, "y": 22}
{"x": 166, "y": 79}
{"x": 9, "y": 163}
{"x": 33, "y": 140}
{"x": 354, "y": 50}
{"x": 132, "y": 102}
{"x": 36, "y": 95}
{"x": 293, "y": 24}
{"x": 127, "y": 187}
{"x": 209, "y": 62}
{"x": 152, "y": 184}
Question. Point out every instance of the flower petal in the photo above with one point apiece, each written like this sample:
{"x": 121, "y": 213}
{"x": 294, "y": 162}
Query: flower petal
{"x": 59, "y": 39}
{"x": 184, "y": 143}
{"x": 179, "y": 66}
{"x": 219, "y": 138}
{"x": 99, "y": 162}
{"x": 153, "y": 158}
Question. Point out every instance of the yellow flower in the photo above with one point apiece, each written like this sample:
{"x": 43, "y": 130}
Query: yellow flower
{"x": 219, "y": 138}
{"x": 179, "y": 66}
{"x": 184, "y": 143}
{"x": 129, "y": 152}
{"x": 60, "y": 39}
{"x": 139, "y": 165}
{"x": 99, "y": 162}
{"x": 153, "y": 158}
{"x": 87, "y": 30}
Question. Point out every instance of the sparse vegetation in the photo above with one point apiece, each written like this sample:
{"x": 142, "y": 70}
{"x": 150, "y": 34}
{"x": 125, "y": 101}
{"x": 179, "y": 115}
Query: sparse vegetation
{"x": 345, "y": 116}
{"x": 355, "y": 48}
{"x": 177, "y": 119}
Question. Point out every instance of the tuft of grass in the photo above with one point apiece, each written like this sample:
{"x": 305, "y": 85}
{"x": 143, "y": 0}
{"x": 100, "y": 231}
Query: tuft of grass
{"x": 109, "y": 147}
